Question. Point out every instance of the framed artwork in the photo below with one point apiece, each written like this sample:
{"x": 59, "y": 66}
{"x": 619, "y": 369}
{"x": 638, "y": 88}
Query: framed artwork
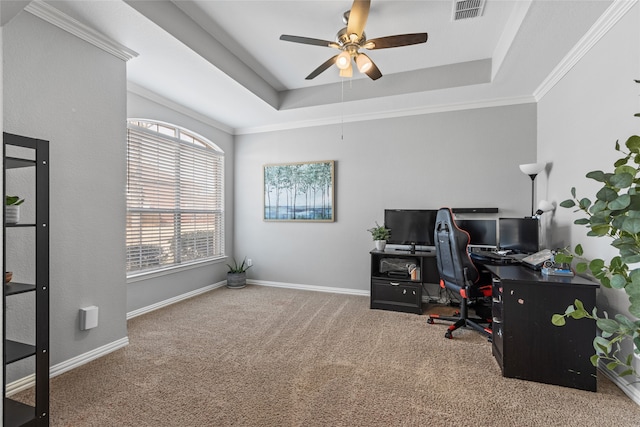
{"x": 301, "y": 192}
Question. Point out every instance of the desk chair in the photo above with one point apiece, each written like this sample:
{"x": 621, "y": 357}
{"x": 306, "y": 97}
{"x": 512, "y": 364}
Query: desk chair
{"x": 458, "y": 273}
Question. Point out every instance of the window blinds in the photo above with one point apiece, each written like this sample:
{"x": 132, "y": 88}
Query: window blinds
{"x": 175, "y": 200}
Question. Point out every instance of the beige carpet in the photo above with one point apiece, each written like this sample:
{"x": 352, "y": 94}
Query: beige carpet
{"x": 276, "y": 357}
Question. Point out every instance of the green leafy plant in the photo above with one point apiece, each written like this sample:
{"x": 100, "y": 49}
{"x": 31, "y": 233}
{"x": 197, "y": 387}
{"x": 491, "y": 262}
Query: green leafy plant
{"x": 238, "y": 268}
{"x": 379, "y": 232}
{"x": 607, "y": 346}
{"x": 13, "y": 201}
{"x": 616, "y": 215}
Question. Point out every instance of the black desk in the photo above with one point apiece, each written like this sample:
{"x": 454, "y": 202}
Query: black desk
{"x": 525, "y": 342}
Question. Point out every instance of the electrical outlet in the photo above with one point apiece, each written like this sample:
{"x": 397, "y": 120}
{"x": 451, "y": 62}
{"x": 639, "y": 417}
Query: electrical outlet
{"x": 249, "y": 262}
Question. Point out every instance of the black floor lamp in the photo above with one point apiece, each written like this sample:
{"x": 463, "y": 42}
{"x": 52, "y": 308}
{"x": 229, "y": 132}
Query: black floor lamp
{"x": 532, "y": 169}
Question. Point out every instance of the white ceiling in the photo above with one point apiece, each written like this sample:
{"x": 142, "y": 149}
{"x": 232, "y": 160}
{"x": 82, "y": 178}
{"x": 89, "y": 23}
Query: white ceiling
{"x": 224, "y": 61}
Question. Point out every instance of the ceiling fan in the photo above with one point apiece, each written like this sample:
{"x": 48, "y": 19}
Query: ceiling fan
{"x": 351, "y": 39}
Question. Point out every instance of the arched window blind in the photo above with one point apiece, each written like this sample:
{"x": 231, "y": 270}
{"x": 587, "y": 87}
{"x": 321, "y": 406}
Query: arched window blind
{"x": 175, "y": 197}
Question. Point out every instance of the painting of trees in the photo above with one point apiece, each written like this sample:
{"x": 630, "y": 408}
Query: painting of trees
{"x": 299, "y": 191}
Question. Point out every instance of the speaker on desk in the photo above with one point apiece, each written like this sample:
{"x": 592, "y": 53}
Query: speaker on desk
{"x": 474, "y": 210}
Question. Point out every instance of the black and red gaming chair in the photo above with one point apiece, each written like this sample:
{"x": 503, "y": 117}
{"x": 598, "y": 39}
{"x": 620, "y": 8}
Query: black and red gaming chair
{"x": 458, "y": 273}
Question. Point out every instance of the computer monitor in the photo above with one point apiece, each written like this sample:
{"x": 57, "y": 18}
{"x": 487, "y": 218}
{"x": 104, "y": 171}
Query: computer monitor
{"x": 519, "y": 234}
{"x": 410, "y": 226}
{"x": 483, "y": 232}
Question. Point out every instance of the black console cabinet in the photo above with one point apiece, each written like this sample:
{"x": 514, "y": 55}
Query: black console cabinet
{"x": 526, "y": 344}
{"x": 392, "y": 287}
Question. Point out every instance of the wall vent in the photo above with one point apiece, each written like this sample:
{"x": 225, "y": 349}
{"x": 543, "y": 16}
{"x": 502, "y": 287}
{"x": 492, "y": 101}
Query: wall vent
{"x": 465, "y": 9}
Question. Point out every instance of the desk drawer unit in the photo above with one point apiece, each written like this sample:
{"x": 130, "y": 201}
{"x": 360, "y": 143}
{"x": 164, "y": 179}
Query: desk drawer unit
{"x": 496, "y": 325}
{"x": 526, "y": 344}
{"x": 389, "y": 294}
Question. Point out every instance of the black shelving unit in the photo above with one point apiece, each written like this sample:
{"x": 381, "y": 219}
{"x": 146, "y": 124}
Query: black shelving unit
{"x": 37, "y": 157}
{"x": 400, "y": 292}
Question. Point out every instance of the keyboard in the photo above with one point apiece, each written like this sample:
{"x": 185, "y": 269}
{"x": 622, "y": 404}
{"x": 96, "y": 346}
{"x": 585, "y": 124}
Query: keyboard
{"x": 488, "y": 256}
{"x": 518, "y": 257}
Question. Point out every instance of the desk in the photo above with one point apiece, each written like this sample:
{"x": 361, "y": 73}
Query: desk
{"x": 525, "y": 342}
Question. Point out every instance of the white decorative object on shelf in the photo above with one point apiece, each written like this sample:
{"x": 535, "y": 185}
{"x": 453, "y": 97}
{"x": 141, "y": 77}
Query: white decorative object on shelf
{"x": 12, "y": 214}
{"x": 12, "y": 209}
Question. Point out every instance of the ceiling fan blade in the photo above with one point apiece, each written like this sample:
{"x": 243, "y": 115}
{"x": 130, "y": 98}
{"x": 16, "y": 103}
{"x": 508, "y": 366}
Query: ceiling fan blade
{"x": 396, "y": 41}
{"x": 328, "y": 63}
{"x": 373, "y": 72}
{"x": 358, "y": 17}
{"x": 307, "y": 40}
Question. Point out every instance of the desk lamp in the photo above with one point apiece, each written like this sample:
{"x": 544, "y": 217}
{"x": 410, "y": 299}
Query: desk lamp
{"x": 544, "y": 206}
{"x": 532, "y": 169}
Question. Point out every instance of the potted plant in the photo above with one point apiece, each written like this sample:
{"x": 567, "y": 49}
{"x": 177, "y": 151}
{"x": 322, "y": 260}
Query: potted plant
{"x": 12, "y": 209}
{"x": 614, "y": 214}
{"x": 380, "y": 235}
{"x": 237, "y": 274}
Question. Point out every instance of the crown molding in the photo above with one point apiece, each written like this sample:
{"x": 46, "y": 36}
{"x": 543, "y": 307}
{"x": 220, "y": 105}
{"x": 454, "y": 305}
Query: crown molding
{"x": 161, "y": 100}
{"x": 55, "y": 17}
{"x": 442, "y": 108}
{"x": 608, "y": 20}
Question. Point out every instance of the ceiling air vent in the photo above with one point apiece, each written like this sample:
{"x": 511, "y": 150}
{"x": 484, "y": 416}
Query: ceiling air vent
{"x": 464, "y": 9}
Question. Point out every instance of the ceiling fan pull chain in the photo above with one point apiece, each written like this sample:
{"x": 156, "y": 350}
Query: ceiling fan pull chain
{"x": 342, "y": 109}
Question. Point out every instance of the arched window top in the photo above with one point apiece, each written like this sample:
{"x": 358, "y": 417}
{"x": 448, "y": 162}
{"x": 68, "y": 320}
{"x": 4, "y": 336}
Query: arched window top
{"x": 175, "y": 132}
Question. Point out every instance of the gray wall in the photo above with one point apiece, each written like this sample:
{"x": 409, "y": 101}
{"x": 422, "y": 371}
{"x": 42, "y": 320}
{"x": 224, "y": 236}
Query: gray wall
{"x": 62, "y": 89}
{"x": 579, "y": 121}
{"x": 148, "y": 291}
{"x": 458, "y": 159}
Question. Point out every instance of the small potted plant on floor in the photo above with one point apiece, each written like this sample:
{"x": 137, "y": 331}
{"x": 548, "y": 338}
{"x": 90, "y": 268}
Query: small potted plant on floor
{"x": 237, "y": 274}
{"x": 380, "y": 235}
{"x": 12, "y": 209}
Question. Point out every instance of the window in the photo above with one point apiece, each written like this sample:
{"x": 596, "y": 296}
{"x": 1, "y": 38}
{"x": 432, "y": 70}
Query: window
{"x": 175, "y": 197}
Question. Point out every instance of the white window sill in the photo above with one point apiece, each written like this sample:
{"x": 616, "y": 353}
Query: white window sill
{"x": 146, "y": 275}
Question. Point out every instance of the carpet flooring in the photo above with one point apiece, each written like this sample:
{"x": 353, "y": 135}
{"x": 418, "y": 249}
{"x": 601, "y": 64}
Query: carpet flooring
{"x": 263, "y": 356}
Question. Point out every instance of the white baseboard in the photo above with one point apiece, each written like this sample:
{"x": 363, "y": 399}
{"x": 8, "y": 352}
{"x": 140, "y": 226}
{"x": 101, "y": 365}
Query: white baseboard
{"x": 309, "y": 287}
{"x": 29, "y": 381}
{"x": 21, "y": 384}
{"x": 622, "y": 382}
{"x": 161, "y": 304}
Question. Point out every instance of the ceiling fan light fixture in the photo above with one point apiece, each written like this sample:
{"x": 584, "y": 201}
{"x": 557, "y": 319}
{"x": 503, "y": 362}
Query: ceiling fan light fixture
{"x": 350, "y": 39}
{"x": 343, "y": 61}
{"x": 347, "y": 72}
{"x": 363, "y": 62}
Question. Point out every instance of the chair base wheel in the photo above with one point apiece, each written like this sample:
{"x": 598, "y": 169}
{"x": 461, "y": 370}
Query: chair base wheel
{"x": 448, "y": 335}
{"x": 430, "y": 321}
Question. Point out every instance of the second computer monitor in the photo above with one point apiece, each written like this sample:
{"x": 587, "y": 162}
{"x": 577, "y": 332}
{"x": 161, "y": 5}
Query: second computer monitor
{"x": 519, "y": 234}
{"x": 482, "y": 232}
